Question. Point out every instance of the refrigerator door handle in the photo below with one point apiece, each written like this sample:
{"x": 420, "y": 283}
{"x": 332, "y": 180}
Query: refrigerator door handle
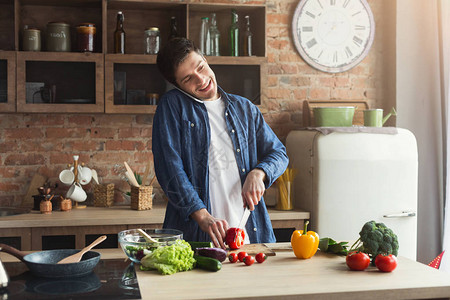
{"x": 403, "y": 214}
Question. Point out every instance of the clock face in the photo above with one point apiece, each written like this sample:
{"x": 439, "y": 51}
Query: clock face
{"x": 333, "y": 35}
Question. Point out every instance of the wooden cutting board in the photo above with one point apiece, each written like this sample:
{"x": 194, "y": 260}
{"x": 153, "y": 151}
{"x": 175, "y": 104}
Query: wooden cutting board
{"x": 308, "y": 105}
{"x": 253, "y": 249}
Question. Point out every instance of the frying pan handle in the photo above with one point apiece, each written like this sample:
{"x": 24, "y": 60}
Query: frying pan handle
{"x": 13, "y": 251}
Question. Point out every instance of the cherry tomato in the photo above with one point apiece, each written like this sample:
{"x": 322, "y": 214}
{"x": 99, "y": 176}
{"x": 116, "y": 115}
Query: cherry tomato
{"x": 242, "y": 255}
{"x": 233, "y": 257}
{"x": 260, "y": 257}
{"x": 249, "y": 260}
{"x": 386, "y": 263}
{"x": 357, "y": 261}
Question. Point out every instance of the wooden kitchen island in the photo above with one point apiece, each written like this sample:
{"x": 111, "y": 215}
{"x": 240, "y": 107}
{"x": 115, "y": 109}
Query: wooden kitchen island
{"x": 324, "y": 276}
{"x": 84, "y": 225}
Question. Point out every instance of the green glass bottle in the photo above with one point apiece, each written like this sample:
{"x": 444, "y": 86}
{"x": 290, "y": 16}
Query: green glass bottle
{"x": 234, "y": 34}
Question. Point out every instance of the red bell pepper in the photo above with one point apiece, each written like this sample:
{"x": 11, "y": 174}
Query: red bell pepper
{"x": 235, "y": 238}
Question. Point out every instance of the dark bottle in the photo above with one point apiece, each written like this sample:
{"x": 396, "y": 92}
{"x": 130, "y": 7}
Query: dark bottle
{"x": 247, "y": 38}
{"x": 119, "y": 35}
{"x": 234, "y": 34}
{"x": 173, "y": 28}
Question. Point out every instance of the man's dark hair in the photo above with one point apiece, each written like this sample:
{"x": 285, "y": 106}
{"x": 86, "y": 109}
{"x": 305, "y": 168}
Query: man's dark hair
{"x": 172, "y": 54}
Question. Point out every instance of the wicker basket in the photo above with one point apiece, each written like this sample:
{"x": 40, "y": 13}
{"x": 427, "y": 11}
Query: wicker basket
{"x": 141, "y": 197}
{"x": 104, "y": 195}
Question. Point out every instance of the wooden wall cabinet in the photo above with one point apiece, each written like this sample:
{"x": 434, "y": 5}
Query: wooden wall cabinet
{"x": 70, "y": 82}
{"x": 7, "y": 81}
{"x": 105, "y": 82}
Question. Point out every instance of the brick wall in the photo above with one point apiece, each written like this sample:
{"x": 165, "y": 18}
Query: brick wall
{"x": 45, "y": 143}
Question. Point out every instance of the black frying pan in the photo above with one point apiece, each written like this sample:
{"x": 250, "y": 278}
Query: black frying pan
{"x": 44, "y": 263}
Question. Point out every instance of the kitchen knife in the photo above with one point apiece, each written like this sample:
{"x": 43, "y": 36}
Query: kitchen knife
{"x": 244, "y": 218}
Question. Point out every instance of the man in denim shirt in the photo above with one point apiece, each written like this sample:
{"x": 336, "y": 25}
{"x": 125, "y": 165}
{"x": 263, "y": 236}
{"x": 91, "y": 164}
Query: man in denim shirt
{"x": 213, "y": 152}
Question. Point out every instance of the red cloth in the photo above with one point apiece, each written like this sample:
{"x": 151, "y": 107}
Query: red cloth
{"x": 435, "y": 263}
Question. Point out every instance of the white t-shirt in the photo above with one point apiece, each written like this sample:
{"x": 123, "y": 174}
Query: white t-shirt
{"x": 224, "y": 182}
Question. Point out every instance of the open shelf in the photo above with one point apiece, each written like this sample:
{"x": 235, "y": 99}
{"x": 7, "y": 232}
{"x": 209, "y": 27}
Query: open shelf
{"x": 7, "y": 40}
{"x": 74, "y": 82}
{"x": 37, "y": 14}
{"x": 138, "y": 16}
{"x": 257, "y": 16}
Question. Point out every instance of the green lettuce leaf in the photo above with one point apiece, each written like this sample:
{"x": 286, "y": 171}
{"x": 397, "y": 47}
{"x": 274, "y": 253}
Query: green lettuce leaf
{"x": 168, "y": 260}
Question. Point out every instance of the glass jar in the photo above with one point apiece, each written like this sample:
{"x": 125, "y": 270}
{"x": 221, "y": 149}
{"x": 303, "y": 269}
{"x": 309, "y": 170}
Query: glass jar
{"x": 58, "y": 37}
{"x": 31, "y": 39}
{"x": 86, "y": 37}
{"x": 152, "y": 40}
{"x": 152, "y": 98}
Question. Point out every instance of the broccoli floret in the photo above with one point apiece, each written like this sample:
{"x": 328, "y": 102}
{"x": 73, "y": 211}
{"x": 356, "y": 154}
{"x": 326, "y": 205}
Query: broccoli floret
{"x": 377, "y": 238}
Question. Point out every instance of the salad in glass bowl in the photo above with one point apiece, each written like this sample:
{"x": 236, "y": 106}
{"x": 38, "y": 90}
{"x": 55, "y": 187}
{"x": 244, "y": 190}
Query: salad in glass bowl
{"x": 136, "y": 246}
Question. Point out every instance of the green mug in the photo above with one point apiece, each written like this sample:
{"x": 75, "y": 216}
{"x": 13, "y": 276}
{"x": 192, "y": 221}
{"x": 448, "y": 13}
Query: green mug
{"x": 373, "y": 117}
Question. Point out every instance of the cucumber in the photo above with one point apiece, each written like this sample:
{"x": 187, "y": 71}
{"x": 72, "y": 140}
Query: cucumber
{"x": 216, "y": 253}
{"x": 195, "y": 245}
{"x": 207, "y": 263}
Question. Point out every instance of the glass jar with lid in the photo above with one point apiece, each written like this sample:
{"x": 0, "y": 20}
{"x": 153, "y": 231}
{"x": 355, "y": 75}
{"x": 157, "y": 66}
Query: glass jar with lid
{"x": 58, "y": 37}
{"x": 86, "y": 37}
{"x": 152, "y": 40}
{"x": 31, "y": 39}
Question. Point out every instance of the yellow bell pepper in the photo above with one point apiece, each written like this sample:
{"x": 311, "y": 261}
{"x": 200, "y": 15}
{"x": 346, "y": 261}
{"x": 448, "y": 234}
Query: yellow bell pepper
{"x": 304, "y": 243}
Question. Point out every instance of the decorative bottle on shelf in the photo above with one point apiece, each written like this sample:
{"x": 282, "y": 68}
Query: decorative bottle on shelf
{"x": 204, "y": 37}
{"x": 119, "y": 35}
{"x": 173, "y": 28}
{"x": 234, "y": 34}
{"x": 247, "y": 38}
{"x": 152, "y": 40}
{"x": 214, "y": 35}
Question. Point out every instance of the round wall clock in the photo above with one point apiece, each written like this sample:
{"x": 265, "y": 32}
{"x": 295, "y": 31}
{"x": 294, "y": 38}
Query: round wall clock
{"x": 333, "y": 35}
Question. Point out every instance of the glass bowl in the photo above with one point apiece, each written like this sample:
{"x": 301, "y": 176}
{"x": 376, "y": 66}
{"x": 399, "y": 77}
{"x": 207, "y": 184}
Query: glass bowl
{"x": 136, "y": 247}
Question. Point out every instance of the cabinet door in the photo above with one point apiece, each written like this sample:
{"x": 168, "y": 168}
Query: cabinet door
{"x": 60, "y": 82}
{"x": 248, "y": 76}
{"x": 130, "y": 82}
{"x": 7, "y": 81}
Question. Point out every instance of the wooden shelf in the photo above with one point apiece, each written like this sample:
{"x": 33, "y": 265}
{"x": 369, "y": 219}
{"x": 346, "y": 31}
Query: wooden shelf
{"x": 91, "y": 75}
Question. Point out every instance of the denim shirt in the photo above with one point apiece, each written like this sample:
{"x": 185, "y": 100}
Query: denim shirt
{"x": 180, "y": 144}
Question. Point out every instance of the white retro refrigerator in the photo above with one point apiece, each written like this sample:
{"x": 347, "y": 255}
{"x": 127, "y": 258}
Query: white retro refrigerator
{"x": 347, "y": 179}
